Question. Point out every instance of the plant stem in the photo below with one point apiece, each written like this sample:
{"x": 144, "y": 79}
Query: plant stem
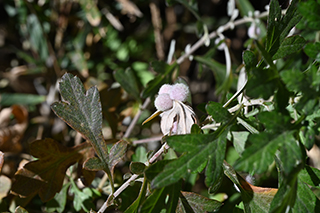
{"x": 136, "y": 117}
{"x": 214, "y": 34}
{"x": 133, "y": 178}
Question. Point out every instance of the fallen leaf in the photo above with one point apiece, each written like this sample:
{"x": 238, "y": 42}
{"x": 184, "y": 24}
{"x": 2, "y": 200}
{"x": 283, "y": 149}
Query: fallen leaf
{"x": 45, "y": 176}
{"x": 11, "y": 134}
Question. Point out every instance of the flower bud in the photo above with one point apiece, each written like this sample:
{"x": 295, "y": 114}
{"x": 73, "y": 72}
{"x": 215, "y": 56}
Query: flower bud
{"x": 165, "y": 89}
{"x": 179, "y": 92}
{"x": 163, "y": 102}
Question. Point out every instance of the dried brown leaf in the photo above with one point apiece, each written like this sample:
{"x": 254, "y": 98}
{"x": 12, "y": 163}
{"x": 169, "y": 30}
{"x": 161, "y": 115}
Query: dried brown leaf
{"x": 45, "y": 175}
{"x": 11, "y": 134}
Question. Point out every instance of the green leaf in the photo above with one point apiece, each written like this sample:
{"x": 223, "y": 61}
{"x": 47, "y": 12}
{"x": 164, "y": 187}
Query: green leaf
{"x": 249, "y": 59}
{"x": 93, "y": 164}
{"x": 286, "y": 195}
{"x": 288, "y": 46}
{"x": 239, "y": 140}
{"x": 218, "y": 112}
{"x": 9, "y": 99}
{"x": 134, "y": 207}
{"x": 20, "y": 209}
{"x": 82, "y": 199}
{"x": 313, "y": 50}
{"x": 83, "y": 113}
{"x": 162, "y": 198}
{"x": 245, "y": 7}
{"x": 293, "y": 79}
{"x": 279, "y": 27}
{"x": 37, "y": 39}
{"x": 127, "y": 80}
{"x": 117, "y": 152}
{"x": 140, "y": 155}
{"x": 310, "y": 176}
{"x": 214, "y": 169}
{"x": 292, "y": 156}
{"x": 275, "y": 121}
{"x": 310, "y": 11}
{"x": 273, "y": 29}
{"x": 261, "y": 153}
{"x": 306, "y": 201}
{"x": 59, "y": 201}
{"x": 262, "y": 83}
{"x": 190, "y": 201}
{"x": 199, "y": 148}
{"x": 255, "y": 199}
{"x": 266, "y": 55}
{"x": 192, "y": 6}
{"x": 291, "y": 19}
{"x": 137, "y": 167}
{"x": 153, "y": 170}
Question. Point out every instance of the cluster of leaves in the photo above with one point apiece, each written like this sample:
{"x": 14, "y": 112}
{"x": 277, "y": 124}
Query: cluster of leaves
{"x": 267, "y": 142}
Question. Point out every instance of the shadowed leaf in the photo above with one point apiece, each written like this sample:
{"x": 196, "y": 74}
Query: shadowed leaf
{"x": 255, "y": 199}
{"x": 196, "y": 203}
{"x": 45, "y": 175}
{"x": 163, "y": 198}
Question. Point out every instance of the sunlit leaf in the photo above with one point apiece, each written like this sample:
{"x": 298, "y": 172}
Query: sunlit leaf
{"x": 83, "y": 113}
{"x": 239, "y": 140}
{"x": 218, "y": 112}
{"x": 261, "y": 153}
{"x": 140, "y": 155}
{"x": 199, "y": 148}
{"x": 45, "y": 175}
{"x": 288, "y": 46}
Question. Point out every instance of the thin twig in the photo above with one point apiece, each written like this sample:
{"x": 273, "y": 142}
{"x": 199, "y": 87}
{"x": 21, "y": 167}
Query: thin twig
{"x": 214, "y": 34}
{"x": 147, "y": 140}
{"x": 136, "y": 117}
{"x": 133, "y": 178}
